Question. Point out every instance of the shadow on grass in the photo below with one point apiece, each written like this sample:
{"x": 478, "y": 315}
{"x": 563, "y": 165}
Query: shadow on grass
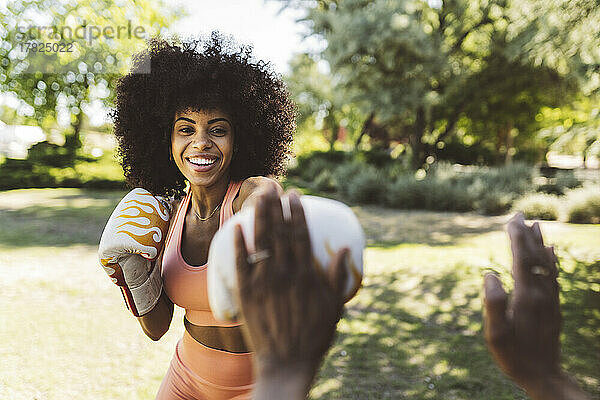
{"x": 580, "y": 305}
{"x": 386, "y": 227}
{"x": 425, "y": 341}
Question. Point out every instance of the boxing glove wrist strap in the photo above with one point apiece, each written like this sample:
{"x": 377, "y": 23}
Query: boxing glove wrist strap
{"x": 142, "y": 299}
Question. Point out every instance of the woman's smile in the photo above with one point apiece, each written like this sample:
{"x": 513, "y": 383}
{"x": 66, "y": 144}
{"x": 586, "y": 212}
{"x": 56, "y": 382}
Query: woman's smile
{"x": 203, "y": 162}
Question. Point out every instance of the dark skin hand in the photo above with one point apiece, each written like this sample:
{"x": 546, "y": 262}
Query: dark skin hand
{"x": 523, "y": 334}
{"x": 289, "y": 308}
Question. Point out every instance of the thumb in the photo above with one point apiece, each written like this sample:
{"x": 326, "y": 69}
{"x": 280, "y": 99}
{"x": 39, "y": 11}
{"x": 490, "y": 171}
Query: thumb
{"x": 338, "y": 273}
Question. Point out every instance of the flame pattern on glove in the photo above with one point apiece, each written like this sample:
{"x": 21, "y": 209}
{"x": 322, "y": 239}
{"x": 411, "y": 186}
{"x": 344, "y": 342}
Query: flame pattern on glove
{"x": 142, "y": 226}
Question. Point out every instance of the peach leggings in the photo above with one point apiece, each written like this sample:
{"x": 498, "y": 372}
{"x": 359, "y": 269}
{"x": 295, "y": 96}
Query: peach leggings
{"x": 209, "y": 375}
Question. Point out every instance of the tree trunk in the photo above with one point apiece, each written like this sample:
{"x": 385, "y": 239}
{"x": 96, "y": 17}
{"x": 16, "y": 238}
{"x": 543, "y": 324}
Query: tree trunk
{"x": 333, "y": 138}
{"x": 364, "y": 129}
{"x": 509, "y": 145}
{"x": 416, "y": 140}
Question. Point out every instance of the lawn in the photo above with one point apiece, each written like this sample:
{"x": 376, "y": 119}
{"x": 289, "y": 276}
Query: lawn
{"x": 413, "y": 331}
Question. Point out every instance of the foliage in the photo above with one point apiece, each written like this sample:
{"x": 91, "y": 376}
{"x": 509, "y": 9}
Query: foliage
{"x": 539, "y": 206}
{"x": 583, "y": 205}
{"x": 51, "y": 83}
{"x": 562, "y": 181}
{"x": 320, "y": 105}
{"x": 47, "y": 170}
{"x": 572, "y": 129}
{"x": 443, "y": 187}
{"x": 423, "y": 67}
{"x": 367, "y": 187}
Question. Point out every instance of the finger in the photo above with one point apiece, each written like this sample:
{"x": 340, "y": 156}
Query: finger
{"x": 553, "y": 267}
{"x": 518, "y": 218}
{"x": 279, "y": 235}
{"x": 261, "y": 222}
{"x": 520, "y": 237}
{"x": 243, "y": 268}
{"x": 337, "y": 273}
{"x": 495, "y": 301}
{"x": 262, "y": 235}
{"x": 537, "y": 233}
{"x": 301, "y": 249}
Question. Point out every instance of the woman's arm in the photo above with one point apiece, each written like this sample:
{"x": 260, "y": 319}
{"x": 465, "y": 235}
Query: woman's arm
{"x": 156, "y": 323}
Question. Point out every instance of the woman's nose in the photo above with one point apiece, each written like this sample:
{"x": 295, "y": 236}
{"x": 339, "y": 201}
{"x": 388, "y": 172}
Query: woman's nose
{"x": 202, "y": 140}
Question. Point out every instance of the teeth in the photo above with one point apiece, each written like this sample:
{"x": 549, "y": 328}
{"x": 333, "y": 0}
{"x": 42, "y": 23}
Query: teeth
{"x": 202, "y": 161}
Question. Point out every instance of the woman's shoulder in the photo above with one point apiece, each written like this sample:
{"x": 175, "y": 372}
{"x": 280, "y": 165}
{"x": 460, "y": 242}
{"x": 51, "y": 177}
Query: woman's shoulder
{"x": 251, "y": 186}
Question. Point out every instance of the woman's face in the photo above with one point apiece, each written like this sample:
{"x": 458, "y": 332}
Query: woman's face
{"x": 202, "y": 145}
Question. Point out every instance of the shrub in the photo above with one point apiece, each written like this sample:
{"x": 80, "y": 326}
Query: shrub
{"x": 430, "y": 194}
{"x": 539, "y": 206}
{"x": 51, "y": 155}
{"x": 560, "y": 182}
{"x": 583, "y": 205}
{"x": 566, "y": 179}
{"x": 368, "y": 186}
{"x": 345, "y": 173}
{"x": 494, "y": 202}
{"x": 379, "y": 158}
{"x": 406, "y": 193}
{"x": 325, "y": 182}
{"x": 446, "y": 187}
{"x": 310, "y": 165}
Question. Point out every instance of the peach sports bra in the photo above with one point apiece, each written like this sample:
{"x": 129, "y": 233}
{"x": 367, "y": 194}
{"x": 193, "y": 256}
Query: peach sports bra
{"x": 185, "y": 284}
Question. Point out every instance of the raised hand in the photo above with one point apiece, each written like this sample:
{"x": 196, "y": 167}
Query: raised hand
{"x": 290, "y": 308}
{"x": 523, "y": 334}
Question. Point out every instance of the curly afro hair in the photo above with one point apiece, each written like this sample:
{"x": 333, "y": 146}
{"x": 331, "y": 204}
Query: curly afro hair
{"x": 171, "y": 76}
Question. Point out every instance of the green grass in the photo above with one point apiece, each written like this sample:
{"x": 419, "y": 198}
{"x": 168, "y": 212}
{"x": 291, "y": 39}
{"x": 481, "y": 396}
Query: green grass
{"x": 413, "y": 331}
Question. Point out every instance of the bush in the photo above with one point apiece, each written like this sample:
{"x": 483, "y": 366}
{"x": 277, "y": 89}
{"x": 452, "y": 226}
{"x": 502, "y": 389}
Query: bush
{"x": 494, "y": 202}
{"x": 561, "y": 181}
{"x": 583, "y": 205}
{"x": 430, "y": 194}
{"x": 446, "y": 187}
{"x": 325, "y": 182}
{"x": 345, "y": 173}
{"x": 379, "y": 158}
{"x": 310, "y": 165}
{"x": 368, "y": 187}
{"x": 406, "y": 193}
{"x": 102, "y": 173}
{"x": 566, "y": 179}
{"x": 539, "y": 206}
{"x": 51, "y": 155}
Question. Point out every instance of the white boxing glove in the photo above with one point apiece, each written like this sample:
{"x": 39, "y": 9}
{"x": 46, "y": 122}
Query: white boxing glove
{"x": 331, "y": 226}
{"x": 131, "y": 241}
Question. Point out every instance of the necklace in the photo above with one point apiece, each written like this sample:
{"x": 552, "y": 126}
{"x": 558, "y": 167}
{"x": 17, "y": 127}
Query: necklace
{"x": 211, "y": 214}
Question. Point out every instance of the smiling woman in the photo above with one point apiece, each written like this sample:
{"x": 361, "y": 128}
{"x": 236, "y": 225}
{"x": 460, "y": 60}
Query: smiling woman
{"x": 205, "y": 128}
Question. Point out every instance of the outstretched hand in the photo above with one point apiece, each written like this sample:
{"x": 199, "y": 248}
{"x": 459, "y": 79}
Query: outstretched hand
{"x": 290, "y": 308}
{"x": 523, "y": 335}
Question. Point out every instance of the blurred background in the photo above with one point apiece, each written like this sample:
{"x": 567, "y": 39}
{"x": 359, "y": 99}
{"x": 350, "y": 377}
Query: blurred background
{"x": 433, "y": 119}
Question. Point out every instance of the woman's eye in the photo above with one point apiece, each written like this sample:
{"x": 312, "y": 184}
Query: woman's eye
{"x": 219, "y": 131}
{"x": 186, "y": 130}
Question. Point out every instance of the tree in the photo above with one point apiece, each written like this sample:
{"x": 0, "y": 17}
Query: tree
{"x": 572, "y": 129}
{"x": 319, "y": 102}
{"x": 422, "y": 66}
{"x": 85, "y": 46}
